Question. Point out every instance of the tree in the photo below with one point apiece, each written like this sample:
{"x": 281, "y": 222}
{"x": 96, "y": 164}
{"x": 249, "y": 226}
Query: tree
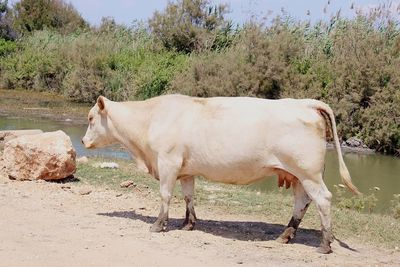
{"x": 6, "y": 31}
{"x": 31, "y": 15}
{"x": 190, "y": 25}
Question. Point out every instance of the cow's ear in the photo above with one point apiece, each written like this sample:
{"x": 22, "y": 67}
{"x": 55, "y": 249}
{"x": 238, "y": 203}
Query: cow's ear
{"x": 101, "y": 103}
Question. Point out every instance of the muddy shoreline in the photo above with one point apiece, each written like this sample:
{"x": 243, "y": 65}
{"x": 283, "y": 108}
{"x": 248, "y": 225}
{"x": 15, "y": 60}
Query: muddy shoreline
{"x": 28, "y": 104}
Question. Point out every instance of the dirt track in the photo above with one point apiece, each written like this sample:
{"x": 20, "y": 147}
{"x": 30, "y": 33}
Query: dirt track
{"x": 42, "y": 224}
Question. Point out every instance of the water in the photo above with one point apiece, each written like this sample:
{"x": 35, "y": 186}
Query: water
{"x": 75, "y": 132}
{"x": 367, "y": 171}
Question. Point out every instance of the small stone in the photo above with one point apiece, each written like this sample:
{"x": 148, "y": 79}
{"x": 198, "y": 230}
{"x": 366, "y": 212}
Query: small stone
{"x": 109, "y": 165}
{"x": 354, "y": 142}
{"x": 65, "y": 187}
{"x": 83, "y": 159}
{"x": 85, "y": 191}
{"x": 127, "y": 184}
{"x": 118, "y": 195}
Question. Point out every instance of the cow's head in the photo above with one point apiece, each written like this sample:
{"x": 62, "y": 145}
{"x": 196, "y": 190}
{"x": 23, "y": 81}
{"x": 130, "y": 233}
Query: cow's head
{"x": 98, "y": 133}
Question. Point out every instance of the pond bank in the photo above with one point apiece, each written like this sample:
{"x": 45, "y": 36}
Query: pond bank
{"x": 29, "y": 104}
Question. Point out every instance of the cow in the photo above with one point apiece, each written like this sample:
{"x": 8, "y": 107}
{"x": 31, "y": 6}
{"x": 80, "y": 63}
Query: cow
{"x": 235, "y": 140}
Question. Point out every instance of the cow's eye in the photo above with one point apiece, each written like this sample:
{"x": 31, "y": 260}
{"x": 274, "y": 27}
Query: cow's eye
{"x": 90, "y": 119}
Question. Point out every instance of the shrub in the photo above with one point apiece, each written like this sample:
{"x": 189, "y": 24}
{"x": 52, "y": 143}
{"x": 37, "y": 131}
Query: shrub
{"x": 6, "y": 30}
{"x": 115, "y": 61}
{"x": 257, "y": 64}
{"x": 31, "y": 15}
{"x": 7, "y": 47}
{"x": 395, "y": 206}
{"x": 35, "y": 64}
{"x": 357, "y": 203}
{"x": 187, "y": 26}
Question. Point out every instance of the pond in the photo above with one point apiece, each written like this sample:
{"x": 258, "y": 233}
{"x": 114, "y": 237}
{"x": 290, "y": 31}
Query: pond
{"x": 367, "y": 171}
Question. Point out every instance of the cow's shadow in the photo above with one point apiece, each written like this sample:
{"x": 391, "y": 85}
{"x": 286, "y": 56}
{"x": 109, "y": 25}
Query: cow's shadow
{"x": 237, "y": 230}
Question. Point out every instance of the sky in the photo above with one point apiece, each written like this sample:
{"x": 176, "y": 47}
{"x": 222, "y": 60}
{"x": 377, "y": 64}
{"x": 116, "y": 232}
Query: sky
{"x": 127, "y": 11}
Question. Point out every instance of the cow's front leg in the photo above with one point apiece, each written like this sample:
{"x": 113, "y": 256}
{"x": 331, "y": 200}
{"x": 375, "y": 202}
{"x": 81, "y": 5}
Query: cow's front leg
{"x": 167, "y": 170}
{"x": 187, "y": 184}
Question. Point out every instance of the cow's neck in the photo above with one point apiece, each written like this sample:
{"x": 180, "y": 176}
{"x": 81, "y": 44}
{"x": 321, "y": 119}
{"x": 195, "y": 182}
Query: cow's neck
{"x": 130, "y": 122}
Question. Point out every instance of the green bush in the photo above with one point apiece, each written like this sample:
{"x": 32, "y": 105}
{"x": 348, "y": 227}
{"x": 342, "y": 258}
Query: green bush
{"x": 33, "y": 15}
{"x": 395, "y": 206}
{"x": 115, "y": 61}
{"x": 358, "y": 203}
{"x": 35, "y": 64}
{"x": 7, "y": 47}
{"x": 188, "y": 26}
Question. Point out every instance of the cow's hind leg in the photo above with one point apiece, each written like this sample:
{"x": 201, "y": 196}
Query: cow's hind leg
{"x": 167, "y": 170}
{"x": 318, "y": 192}
{"x": 187, "y": 184}
{"x": 301, "y": 203}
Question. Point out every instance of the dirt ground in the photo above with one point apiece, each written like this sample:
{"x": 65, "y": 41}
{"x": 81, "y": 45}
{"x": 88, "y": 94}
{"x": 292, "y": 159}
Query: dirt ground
{"x": 52, "y": 224}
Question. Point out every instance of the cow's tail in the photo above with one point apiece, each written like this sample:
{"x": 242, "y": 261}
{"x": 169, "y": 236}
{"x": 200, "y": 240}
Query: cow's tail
{"x": 327, "y": 113}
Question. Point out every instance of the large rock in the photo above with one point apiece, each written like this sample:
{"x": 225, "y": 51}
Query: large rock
{"x": 8, "y": 135}
{"x": 47, "y": 156}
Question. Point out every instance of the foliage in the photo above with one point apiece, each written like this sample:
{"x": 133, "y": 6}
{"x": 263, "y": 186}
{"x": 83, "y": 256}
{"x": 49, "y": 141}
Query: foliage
{"x": 6, "y": 47}
{"x": 396, "y": 206}
{"x": 188, "y": 26}
{"x": 6, "y": 30}
{"x": 257, "y": 64}
{"x": 31, "y": 15}
{"x": 115, "y": 61}
{"x": 357, "y": 203}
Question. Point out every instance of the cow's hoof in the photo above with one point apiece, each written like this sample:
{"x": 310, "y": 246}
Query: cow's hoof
{"x": 188, "y": 227}
{"x": 157, "y": 227}
{"x": 287, "y": 235}
{"x": 324, "y": 249}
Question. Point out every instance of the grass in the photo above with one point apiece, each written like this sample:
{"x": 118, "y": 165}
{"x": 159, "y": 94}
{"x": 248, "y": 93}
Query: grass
{"x": 375, "y": 229}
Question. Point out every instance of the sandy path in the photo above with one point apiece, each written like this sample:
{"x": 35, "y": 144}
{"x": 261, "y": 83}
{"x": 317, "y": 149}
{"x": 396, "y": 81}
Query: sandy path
{"x": 42, "y": 224}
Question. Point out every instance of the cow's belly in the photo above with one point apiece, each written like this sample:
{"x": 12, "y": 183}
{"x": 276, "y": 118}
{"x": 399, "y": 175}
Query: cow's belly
{"x": 243, "y": 172}
{"x": 236, "y": 176}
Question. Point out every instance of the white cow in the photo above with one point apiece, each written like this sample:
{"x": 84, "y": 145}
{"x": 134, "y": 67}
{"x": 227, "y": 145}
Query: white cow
{"x": 236, "y": 140}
